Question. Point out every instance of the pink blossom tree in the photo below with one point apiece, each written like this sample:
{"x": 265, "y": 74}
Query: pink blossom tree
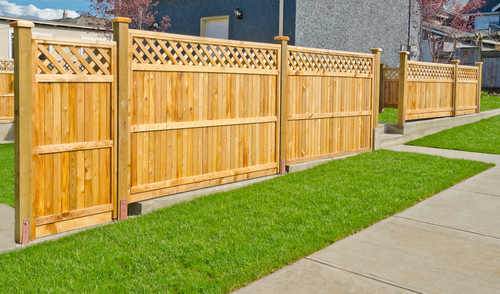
{"x": 139, "y": 11}
{"x": 454, "y": 18}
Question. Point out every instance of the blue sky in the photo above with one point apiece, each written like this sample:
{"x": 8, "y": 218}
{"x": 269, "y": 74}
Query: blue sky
{"x": 42, "y": 9}
{"x": 77, "y": 5}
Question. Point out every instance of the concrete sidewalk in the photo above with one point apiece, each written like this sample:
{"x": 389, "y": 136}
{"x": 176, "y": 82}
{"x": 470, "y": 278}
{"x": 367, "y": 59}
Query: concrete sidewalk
{"x": 449, "y": 243}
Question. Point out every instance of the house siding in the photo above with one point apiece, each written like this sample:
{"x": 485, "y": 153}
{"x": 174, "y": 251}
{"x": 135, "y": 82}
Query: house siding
{"x": 354, "y": 25}
{"x": 260, "y": 21}
{"x": 55, "y": 31}
{"x": 347, "y": 25}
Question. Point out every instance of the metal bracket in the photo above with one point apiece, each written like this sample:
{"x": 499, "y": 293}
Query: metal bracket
{"x": 283, "y": 166}
{"x": 123, "y": 209}
{"x": 26, "y": 231}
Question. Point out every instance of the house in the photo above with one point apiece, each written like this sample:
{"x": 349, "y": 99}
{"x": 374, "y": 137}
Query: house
{"x": 489, "y": 21}
{"x": 347, "y": 25}
{"x": 65, "y": 27}
{"x": 467, "y": 47}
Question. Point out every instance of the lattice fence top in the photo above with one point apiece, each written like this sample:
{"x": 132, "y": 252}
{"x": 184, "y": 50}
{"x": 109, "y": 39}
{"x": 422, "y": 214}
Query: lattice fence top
{"x": 391, "y": 73}
{"x": 301, "y": 60}
{"x": 429, "y": 72}
{"x": 467, "y": 74}
{"x": 170, "y": 51}
{"x": 6, "y": 65}
{"x": 73, "y": 59}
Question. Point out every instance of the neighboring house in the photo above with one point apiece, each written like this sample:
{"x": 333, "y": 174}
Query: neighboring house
{"x": 66, "y": 27}
{"x": 466, "y": 49}
{"x": 488, "y": 22}
{"x": 347, "y": 25}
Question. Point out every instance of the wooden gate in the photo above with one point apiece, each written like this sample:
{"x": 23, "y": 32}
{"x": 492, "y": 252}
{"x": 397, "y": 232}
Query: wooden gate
{"x": 73, "y": 133}
{"x": 6, "y": 91}
{"x": 203, "y": 112}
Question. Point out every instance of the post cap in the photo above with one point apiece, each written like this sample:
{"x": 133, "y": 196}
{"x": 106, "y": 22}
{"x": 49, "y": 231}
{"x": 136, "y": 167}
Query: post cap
{"x": 404, "y": 52}
{"x": 455, "y": 61}
{"x": 121, "y": 19}
{"x": 22, "y": 24}
{"x": 376, "y": 50}
{"x": 479, "y": 63}
{"x": 282, "y": 38}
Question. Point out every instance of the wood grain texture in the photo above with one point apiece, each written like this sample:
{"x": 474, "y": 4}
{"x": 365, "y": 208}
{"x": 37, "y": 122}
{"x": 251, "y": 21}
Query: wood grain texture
{"x": 328, "y": 116}
{"x": 190, "y": 127}
{"x": 6, "y": 97}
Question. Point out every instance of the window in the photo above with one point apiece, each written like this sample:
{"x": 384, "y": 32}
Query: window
{"x": 215, "y": 27}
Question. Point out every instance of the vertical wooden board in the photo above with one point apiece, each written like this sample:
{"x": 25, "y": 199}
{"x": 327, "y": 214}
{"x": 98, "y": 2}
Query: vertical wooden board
{"x": 48, "y": 140}
{"x": 169, "y": 156}
{"x": 179, "y": 154}
{"x": 73, "y": 116}
{"x": 95, "y": 178}
{"x": 87, "y": 157}
{"x": 39, "y": 127}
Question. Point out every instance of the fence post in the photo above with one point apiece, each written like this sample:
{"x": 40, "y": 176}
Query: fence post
{"x": 455, "y": 86}
{"x": 23, "y": 131}
{"x": 381, "y": 104}
{"x": 403, "y": 86}
{"x": 377, "y": 76}
{"x": 121, "y": 36}
{"x": 479, "y": 83}
{"x": 282, "y": 118}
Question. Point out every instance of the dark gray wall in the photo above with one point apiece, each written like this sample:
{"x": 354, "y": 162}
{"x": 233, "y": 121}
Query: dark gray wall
{"x": 260, "y": 21}
{"x": 353, "y": 25}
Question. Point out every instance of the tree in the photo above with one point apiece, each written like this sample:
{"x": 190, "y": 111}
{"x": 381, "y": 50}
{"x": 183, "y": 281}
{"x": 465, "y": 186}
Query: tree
{"x": 139, "y": 11}
{"x": 455, "y": 19}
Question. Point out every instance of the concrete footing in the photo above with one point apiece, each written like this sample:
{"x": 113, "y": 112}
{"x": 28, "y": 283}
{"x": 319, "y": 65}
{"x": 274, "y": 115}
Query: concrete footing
{"x": 390, "y": 135}
{"x": 7, "y": 132}
{"x": 147, "y": 206}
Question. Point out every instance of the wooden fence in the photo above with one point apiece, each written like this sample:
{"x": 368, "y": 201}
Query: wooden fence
{"x": 203, "y": 112}
{"x": 330, "y": 103}
{"x": 430, "y": 90}
{"x": 6, "y": 91}
{"x": 100, "y": 125}
{"x": 491, "y": 69}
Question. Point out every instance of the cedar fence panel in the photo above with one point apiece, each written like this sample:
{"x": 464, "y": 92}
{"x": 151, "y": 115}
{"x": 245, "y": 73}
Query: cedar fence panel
{"x": 6, "y": 91}
{"x": 203, "y": 112}
{"x": 390, "y": 77}
{"x": 73, "y": 138}
{"x": 468, "y": 87}
{"x": 330, "y": 103}
{"x": 431, "y": 90}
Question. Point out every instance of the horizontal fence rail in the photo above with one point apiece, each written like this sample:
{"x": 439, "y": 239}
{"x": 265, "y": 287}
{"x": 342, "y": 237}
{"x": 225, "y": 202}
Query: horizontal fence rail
{"x": 429, "y": 90}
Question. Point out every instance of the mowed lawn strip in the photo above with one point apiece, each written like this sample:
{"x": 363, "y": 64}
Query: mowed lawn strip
{"x": 221, "y": 242}
{"x": 482, "y": 136}
{"x": 7, "y": 174}
{"x": 488, "y": 102}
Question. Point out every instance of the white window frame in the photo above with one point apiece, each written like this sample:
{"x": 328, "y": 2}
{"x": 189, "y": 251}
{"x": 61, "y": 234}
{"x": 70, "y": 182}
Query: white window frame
{"x": 11, "y": 36}
{"x": 203, "y": 23}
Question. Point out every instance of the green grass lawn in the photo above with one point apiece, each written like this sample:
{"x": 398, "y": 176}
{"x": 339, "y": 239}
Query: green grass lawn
{"x": 390, "y": 115}
{"x": 482, "y": 136}
{"x": 7, "y": 174}
{"x": 223, "y": 241}
{"x": 488, "y": 102}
